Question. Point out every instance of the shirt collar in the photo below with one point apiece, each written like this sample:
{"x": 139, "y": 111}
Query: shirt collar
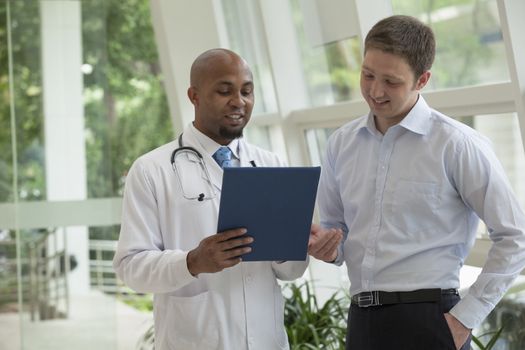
{"x": 417, "y": 120}
{"x": 211, "y": 146}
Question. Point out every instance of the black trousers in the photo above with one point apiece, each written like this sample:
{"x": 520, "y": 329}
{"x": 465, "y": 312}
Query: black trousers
{"x": 415, "y": 326}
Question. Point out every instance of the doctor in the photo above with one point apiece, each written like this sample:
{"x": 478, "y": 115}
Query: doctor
{"x": 205, "y": 297}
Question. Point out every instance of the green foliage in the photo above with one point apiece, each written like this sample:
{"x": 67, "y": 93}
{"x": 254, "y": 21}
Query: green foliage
{"x": 27, "y": 97}
{"x": 147, "y": 341}
{"x": 313, "y": 326}
{"x": 492, "y": 340}
{"x": 126, "y": 112}
{"x": 309, "y": 326}
{"x": 462, "y": 50}
{"x": 508, "y": 314}
{"x": 126, "y": 109}
{"x": 141, "y": 302}
{"x": 342, "y": 59}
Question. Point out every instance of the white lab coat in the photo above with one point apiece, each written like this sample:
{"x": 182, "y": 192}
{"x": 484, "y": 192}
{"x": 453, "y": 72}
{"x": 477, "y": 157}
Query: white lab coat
{"x": 238, "y": 308}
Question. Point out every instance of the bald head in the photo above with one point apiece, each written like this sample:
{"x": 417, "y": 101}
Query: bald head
{"x": 221, "y": 91}
{"x": 208, "y": 61}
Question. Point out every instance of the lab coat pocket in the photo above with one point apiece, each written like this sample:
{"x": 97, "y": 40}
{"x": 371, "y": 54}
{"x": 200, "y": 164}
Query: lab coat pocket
{"x": 193, "y": 322}
{"x": 280, "y": 333}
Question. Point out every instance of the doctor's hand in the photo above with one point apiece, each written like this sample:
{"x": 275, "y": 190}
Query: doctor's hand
{"x": 323, "y": 243}
{"x": 217, "y": 252}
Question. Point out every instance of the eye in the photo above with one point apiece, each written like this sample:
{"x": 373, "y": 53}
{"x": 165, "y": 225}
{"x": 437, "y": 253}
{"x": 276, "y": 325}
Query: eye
{"x": 367, "y": 75}
{"x": 223, "y": 92}
{"x": 247, "y": 92}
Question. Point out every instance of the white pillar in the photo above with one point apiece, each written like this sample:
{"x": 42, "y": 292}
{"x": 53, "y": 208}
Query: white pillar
{"x": 64, "y": 121}
{"x": 183, "y": 30}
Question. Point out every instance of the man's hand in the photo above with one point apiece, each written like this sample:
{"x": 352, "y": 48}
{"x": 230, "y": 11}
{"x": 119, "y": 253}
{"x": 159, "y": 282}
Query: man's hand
{"x": 460, "y": 333}
{"x": 217, "y": 252}
{"x": 323, "y": 243}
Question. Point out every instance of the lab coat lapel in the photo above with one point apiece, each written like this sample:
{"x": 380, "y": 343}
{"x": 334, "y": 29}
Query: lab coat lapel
{"x": 244, "y": 154}
{"x": 215, "y": 171}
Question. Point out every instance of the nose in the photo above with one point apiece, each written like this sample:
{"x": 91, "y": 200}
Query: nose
{"x": 237, "y": 100}
{"x": 376, "y": 89}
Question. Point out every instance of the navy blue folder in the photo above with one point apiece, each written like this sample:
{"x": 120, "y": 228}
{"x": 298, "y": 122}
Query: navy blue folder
{"x": 275, "y": 205}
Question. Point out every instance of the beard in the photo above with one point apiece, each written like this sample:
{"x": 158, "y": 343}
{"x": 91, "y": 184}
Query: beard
{"x": 230, "y": 134}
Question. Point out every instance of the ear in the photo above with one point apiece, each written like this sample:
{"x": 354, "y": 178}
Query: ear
{"x": 423, "y": 80}
{"x": 193, "y": 95}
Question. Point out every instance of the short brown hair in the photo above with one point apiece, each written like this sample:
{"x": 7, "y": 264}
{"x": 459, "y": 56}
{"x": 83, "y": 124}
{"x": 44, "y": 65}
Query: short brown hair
{"x": 407, "y": 37}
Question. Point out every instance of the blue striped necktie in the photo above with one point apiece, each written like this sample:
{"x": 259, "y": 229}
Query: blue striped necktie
{"x": 223, "y": 157}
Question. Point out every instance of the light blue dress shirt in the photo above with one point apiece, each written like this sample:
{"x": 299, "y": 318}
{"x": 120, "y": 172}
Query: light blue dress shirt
{"x": 409, "y": 202}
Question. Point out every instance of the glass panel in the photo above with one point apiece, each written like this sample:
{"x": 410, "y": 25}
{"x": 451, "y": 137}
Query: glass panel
{"x": 126, "y": 111}
{"x": 331, "y": 71}
{"x": 470, "y": 48}
{"x": 259, "y": 136}
{"x": 27, "y": 95}
{"x": 57, "y": 288}
{"x": 56, "y": 311}
{"x": 246, "y": 37}
{"x": 10, "y": 327}
{"x": 316, "y": 142}
{"x": 6, "y": 157}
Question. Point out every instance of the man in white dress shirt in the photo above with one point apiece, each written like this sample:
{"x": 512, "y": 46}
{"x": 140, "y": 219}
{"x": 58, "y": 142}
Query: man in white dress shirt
{"x": 407, "y": 185}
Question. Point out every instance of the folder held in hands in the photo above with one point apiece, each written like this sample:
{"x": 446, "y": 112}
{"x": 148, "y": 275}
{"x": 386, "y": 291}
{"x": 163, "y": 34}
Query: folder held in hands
{"x": 275, "y": 205}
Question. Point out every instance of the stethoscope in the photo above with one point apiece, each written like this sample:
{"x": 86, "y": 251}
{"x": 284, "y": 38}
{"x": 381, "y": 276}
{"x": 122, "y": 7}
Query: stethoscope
{"x": 202, "y": 164}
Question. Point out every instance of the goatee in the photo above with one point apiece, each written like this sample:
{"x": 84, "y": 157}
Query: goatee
{"x": 229, "y": 133}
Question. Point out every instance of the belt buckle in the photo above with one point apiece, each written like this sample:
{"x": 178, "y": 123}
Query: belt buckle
{"x": 366, "y": 299}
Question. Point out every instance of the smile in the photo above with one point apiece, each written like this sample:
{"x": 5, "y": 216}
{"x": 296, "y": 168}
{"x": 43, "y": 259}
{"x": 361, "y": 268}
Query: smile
{"x": 379, "y": 103}
{"x": 234, "y": 116}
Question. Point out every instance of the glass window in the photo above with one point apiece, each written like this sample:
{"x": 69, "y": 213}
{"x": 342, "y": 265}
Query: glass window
{"x": 126, "y": 111}
{"x": 259, "y": 136}
{"x": 332, "y": 70}
{"x": 316, "y": 142}
{"x": 51, "y": 302}
{"x": 470, "y": 48}
{"x": 246, "y": 37}
{"x": 27, "y": 97}
{"x": 126, "y": 114}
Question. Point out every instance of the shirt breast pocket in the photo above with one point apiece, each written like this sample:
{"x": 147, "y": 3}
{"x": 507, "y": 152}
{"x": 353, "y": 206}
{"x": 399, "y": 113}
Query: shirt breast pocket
{"x": 415, "y": 206}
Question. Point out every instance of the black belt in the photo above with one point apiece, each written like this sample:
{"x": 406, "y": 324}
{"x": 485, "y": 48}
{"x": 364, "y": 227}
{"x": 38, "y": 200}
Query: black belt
{"x": 376, "y": 298}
